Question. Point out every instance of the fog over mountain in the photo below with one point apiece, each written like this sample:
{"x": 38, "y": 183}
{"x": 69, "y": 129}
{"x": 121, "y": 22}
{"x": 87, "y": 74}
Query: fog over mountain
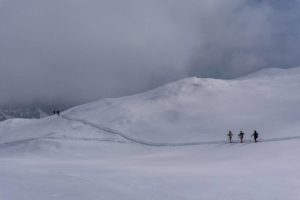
{"x": 73, "y": 51}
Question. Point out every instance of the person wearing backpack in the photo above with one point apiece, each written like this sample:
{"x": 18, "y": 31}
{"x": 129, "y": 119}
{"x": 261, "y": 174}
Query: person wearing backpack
{"x": 241, "y": 136}
{"x": 255, "y": 135}
{"x": 230, "y": 136}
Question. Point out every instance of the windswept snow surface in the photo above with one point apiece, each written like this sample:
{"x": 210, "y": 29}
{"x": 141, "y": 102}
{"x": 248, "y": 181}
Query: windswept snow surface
{"x": 168, "y": 143}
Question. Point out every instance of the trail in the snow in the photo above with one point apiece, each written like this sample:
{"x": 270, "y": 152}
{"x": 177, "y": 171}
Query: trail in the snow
{"x": 5, "y": 144}
{"x": 28, "y": 140}
{"x": 129, "y": 139}
{"x": 138, "y": 141}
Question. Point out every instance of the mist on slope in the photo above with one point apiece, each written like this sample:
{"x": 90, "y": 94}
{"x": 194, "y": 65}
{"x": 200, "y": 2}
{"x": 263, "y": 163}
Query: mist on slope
{"x": 73, "y": 51}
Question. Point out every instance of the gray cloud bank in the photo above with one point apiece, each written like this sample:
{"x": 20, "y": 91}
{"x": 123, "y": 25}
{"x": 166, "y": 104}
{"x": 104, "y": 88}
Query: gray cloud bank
{"x": 72, "y": 51}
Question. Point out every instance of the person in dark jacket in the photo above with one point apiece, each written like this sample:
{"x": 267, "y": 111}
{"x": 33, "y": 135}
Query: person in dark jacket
{"x": 255, "y": 135}
{"x": 58, "y": 112}
{"x": 230, "y": 136}
{"x": 241, "y": 136}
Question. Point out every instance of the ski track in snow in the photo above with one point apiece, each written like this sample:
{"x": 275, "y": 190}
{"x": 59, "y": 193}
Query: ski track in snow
{"x": 6, "y": 144}
{"x": 109, "y": 130}
{"x": 131, "y": 139}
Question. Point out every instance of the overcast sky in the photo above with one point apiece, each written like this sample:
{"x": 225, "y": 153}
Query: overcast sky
{"x": 73, "y": 51}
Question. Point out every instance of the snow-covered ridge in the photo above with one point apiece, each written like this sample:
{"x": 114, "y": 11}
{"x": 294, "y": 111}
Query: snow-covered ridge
{"x": 273, "y": 72}
{"x": 192, "y": 110}
{"x": 195, "y": 109}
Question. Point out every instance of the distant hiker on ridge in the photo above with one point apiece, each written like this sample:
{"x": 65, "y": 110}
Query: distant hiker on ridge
{"x": 230, "y": 136}
{"x": 58, "y": 112}
{"x": 255, "y": 135}
{"x": 241, "y": 136}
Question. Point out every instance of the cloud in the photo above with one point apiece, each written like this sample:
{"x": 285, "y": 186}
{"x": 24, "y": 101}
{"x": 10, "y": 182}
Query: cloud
{"x": 72, "y": 51}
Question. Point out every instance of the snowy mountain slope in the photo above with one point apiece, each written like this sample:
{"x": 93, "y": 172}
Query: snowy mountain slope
{"x": 273, "y": 73}
{"x": 192, "y": 110}
{"x": 48, "y": 133}
{"x": 108, "y": 149}
{"x": 196, "y": 109}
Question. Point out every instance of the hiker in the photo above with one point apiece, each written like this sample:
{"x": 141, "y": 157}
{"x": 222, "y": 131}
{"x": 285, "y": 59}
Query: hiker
{"x": 241, "y": 136}
{"x": 255, "y": 135}
{"x": 57, "y": 112}
{"x": 230, "y": 136}
{"x": 54, "y": 112}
